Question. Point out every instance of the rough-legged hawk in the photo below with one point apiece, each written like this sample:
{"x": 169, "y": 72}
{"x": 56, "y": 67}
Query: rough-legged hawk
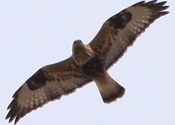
{"x": 88, "y": 62}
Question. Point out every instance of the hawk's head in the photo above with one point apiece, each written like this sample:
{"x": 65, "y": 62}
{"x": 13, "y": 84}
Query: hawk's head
{"x": 81, "y": 53}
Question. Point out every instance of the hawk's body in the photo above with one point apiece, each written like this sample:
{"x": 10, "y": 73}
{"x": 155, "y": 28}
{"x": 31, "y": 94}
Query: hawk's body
{"x": 93, "y": 66}
{"x": 88, "y": 62}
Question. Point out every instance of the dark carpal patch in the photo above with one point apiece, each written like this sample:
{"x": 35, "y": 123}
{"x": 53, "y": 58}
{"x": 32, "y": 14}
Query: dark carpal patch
{"x": 37, "y": 80}
{"x": 93, "y": 67}
{"x": 121, "y": 19}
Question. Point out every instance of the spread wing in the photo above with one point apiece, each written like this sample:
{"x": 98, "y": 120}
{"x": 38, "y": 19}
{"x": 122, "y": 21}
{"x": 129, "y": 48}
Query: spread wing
{"x": 47, "y": 84}
{"x": 121, "y": 30}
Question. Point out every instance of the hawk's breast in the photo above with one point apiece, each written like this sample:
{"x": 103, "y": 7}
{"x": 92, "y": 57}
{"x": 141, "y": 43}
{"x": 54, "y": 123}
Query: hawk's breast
{"x": 93, "y": 67}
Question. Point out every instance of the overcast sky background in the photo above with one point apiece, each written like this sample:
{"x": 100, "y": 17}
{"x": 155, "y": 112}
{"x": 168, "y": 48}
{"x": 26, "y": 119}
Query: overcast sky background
{"x": 36, "y": 33}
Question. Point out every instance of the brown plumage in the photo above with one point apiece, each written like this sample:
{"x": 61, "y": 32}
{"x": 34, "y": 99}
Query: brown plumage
{"x": 88, "y": 62}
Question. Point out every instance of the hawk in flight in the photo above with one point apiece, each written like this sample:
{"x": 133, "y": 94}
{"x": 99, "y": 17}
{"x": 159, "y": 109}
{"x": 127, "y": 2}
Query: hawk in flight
{"x": 88, "y": 62}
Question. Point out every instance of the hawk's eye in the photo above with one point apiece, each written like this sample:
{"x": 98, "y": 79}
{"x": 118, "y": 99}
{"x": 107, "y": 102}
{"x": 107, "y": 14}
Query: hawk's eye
{"x": 77, "y": 41}
{"x": 74, "y": 42}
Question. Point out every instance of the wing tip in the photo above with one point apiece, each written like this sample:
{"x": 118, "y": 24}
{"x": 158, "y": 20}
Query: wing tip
{"x": 157, "y": 8}
{"x": 153, "y": 3}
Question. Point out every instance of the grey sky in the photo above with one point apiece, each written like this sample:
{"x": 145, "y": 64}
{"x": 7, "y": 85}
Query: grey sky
{"x": 37, "y": 33}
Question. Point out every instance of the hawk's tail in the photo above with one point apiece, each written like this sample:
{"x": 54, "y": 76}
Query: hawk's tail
{"x": 109, "y": 89}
